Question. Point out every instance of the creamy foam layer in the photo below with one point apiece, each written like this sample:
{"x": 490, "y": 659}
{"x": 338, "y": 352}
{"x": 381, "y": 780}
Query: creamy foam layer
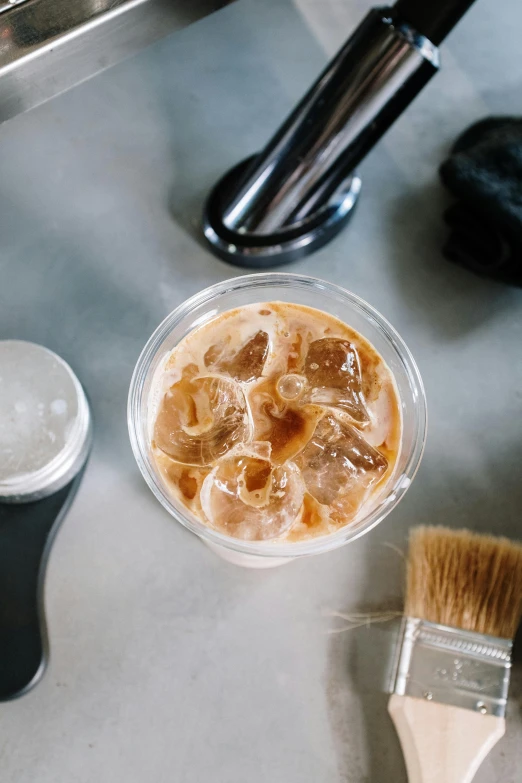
{"x": 275, "y": 421}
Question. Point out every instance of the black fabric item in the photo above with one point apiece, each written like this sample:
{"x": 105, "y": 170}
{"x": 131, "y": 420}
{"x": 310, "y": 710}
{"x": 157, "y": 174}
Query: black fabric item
{"x": 484, "y": 173}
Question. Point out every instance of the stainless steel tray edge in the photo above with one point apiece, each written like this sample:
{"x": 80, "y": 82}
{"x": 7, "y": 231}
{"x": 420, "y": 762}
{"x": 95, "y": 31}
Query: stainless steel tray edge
{"x": 48, "y": 46}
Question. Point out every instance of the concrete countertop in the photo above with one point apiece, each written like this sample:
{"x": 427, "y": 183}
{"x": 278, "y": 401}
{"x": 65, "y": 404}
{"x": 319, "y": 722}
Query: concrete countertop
{"x": 168, "y": 664}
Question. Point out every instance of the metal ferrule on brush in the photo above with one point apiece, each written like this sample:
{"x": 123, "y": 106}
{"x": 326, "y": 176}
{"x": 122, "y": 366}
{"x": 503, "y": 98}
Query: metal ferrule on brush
{"x": 451, "y": 666}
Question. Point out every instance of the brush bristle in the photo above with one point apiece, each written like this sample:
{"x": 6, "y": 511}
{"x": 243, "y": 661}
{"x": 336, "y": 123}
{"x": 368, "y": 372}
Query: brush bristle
{"x": 465, "y": 580}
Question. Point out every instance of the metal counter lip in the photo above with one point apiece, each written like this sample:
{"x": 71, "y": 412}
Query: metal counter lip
{"x": 49, "y": 46}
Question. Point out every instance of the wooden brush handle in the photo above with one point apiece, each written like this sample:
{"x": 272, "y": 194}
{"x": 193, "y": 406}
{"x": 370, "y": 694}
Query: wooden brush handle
{"x": 442, "y": 743}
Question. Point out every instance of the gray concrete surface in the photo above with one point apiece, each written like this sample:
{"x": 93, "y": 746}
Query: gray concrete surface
{"x": 168, "y": 664}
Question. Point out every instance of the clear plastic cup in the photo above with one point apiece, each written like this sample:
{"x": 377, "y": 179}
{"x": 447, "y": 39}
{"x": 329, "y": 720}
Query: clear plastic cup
{"x": 297, "y": 289}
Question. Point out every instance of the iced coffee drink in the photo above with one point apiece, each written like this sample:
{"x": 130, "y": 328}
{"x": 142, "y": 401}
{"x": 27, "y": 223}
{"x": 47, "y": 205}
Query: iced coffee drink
{"x": 274, "y": 422}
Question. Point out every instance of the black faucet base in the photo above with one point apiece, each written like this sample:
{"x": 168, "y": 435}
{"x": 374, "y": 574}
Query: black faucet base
{"x": 261, "y": 251}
